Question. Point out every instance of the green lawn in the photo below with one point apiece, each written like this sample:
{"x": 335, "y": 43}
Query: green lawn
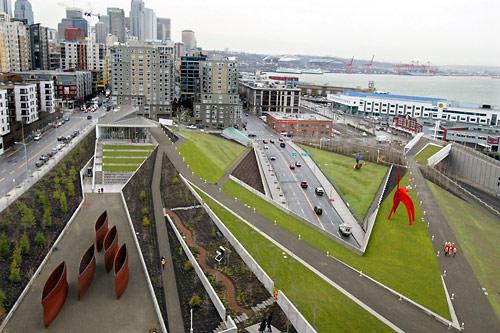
{"x": 427, "y": 152}
{"x": 399, "y": 255}
{"x": 120, "y": 168}
{"x": 128, "y": 147}
{"x": 322, "y": 305}
{"x": 207, "y": 155}
{"x": 357, "y": 187}
{"x": 123, "y": 160}
{"x": 118, "y": 153}
{"x": 478, "y": 233}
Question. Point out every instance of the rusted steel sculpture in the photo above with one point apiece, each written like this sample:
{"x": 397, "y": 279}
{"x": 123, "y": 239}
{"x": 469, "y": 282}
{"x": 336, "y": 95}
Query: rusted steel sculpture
{"x": 101, "y": 229}
{"x": 121, "y": 270}
{"x": 110, "y": 248}
{"x": 54, "y": 293}
{"x": 86, "y": 271}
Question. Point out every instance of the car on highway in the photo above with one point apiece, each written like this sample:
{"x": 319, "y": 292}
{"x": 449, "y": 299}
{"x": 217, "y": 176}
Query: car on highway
{"x": 266, "y": 147}
{"x": 345, "y": 229}
{"x": 54, "y": 151}
{"x": 60, "y": 138}
{"x": 89, "y": 117}
{"x": 44, "y": 158}
{"x": 292, "y": 167}
{"x": 281, "y": 140}
{"x": 66, "y": 118}
{"x": 272, "y": 158}
{"x": 304, "y": 185}
{"x": 37, "y": 137}
{"x": 298, "y": 164}
{"x": 282, "y": 145}
{"x": 318, "y": 210}
{"x": 271, "y": 141}
{"x": 319, "y": 191}
{"x": 264, "y": 141}
{"x": 251, "y": 135}
{"x": 75, "y": 133}
{"x": 39, "y": 163}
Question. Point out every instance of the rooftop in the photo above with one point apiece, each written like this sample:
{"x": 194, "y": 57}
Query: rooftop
{"x": 297, "y": 116}
{"x": 266, "y": 84}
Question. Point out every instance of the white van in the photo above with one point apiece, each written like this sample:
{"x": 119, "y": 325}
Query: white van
{"x": 319, "y": 191}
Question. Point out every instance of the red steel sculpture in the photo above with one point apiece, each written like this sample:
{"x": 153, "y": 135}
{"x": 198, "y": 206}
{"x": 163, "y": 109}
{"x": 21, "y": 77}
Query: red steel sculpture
{"x": 121, "y": 271}
{"x": 110, "y": 248}
{"x": 86, "y": 271}
{"x": 401, "y": 195}
{"x": 101, "y": 229}
{"x": 54, "y": 293}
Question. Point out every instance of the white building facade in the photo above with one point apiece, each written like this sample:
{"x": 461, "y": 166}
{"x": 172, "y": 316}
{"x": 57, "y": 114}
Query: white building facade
{"x": 26, "y": 103}
{"x": 4, "y": 118}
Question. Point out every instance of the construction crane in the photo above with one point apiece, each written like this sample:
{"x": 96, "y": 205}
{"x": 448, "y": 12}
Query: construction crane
{"x": 369, "y": 66}
{"x": 87, "y": 13}
{"x": 348, "y": 66}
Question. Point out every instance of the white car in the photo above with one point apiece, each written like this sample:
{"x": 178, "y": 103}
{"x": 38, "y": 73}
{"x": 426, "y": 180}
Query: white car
{"x": 37, "y": 137}
{"x": 266, "y": 147}
{"x": 60, "y": 146}
{"x": 191, "y": 127}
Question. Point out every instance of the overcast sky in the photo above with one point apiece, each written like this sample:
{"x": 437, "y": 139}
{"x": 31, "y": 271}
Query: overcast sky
{"x": 444, "y": 32}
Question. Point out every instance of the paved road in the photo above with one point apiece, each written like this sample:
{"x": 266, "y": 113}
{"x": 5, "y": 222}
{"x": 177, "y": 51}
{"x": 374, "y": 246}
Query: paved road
{"x": 13, "y": 163}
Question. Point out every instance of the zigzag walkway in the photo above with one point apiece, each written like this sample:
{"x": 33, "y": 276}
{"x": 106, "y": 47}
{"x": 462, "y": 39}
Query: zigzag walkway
{"x": 402, "y": 314}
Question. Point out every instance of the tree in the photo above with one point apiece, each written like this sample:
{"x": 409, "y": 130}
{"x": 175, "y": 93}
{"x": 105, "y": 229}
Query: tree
{"x": 40, "y": 240}
{"x": 2, "y": 303}
{"x": 47, "y": 217}
{"x": 187, "y": 266}
{"x": 4, "y": 246}
{"x": 15, "y": 271}
{"x": 24, "y": 244}
{"x": 195, "y": 301}
{"x": 27, "y": 217}
{"x": 70, "y": 187}
{"x": 145, "y": 221}
{"x": 142, "y": 195}
{"x": 63, "y": 202}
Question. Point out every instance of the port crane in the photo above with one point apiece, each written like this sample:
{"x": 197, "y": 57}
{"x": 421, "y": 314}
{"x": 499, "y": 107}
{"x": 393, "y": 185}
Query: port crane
{"x": 369, "y": 66}
{"x": 348, "y": 66}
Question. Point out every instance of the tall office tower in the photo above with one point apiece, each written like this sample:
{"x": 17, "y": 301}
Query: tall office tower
{"x": 149, "y": 24}
{"x": 39, "y": 47}
{"x": 189, "y": 39}
{"x": 190, "y": 74}
{"x": 15, "y": 54}
{"x": 23, "y": 11}
{"x": 163, "y": 28}
{"x": 105, "y": 19}
{"x": 100, "y": 32}
{"x": 180, "y": 50}
{"x": 144, "y": 76}
{"x": 6, "y": 7}
{"x": 137, "y": 19}
{"x": 217, "y": 103}
{"x": 117, "y": 23}
{"x": 74, "y": 21}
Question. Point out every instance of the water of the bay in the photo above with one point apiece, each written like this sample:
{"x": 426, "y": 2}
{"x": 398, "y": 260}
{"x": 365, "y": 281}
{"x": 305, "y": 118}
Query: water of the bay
{"x": 465, "y": 89}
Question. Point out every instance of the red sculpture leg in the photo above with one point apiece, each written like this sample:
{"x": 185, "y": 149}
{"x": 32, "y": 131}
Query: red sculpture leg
{"x": 121, "y": 271}
{"x": 101, "y": 229}
{"x": 86, "y": 271}
{"x": 401, "y": 195}
{"x": 54, "y": 294}
{"x": 110, "y": 248}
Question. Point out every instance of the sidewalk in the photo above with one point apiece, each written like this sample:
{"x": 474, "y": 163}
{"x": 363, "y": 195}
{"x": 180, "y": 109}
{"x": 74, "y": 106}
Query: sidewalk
{"x": 470, "y": 302}
{"x": 400, "y": 313}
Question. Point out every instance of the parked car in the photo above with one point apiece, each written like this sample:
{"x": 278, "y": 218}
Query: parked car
{"x": 319, "y": 191}
{"x": 345, "y": 229}
{"x": 272, "y": 158}
{"x": 271, "y": 141}
{"x": 292, "y": 167}
{"x": 264, "y": 141}
{"x": 318, "y": 210}
{"x": 281, "y": 140}
{"x": 57, "y": 124}
{"x": 37, "y": 137}
{"x": 298, "y": 164}
{"x": 75, "y": 133}
{"x": 251, "y": 135}
{"x": 282, "y": 145}
{"x": 39, "y": 163}
{"x": 304, "y": 185}
{"x": 60, "y": 146}
{"x": 66, "y": 118}
{"x": 60, "y": 138}
{"x": 266, "y": 147}
{"x": 44, "y": 158}
{"x": 68, "y": 139}
{"x": 53, "y": 151}
{"x": 89, "y": 117}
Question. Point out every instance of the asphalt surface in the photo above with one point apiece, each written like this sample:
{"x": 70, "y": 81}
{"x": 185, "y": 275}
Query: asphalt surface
{"x": 13, "y": 163}
{"x": 300, "y": 201}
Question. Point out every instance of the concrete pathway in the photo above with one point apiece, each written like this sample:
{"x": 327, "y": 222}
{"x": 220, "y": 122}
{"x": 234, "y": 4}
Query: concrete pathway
{"x": 402, "y": 314}
{"x": 471, "y": 304}
{"x": 174, "y": 313}
{"x": 99, "y": 310}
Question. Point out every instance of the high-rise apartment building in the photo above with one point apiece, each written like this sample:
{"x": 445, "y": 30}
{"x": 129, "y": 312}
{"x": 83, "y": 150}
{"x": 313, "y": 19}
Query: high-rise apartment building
{"x": 217, "y": 102}
{"x": 137, "y": 19}
{"x": 101, "y": 32}
{"x": 39, "y": 47}
{"x": 4, "y": 118}
{"x": 163, "y": 29}
{"x": 190, "y": 74}
{"x": 23, "y": 11}
{"x": 189, "y": 39}
{"x": 143, "y": 76}
{"x": 150, "y": 25}
{"x": 74, "y": 20}
{"x": 54, "y": 56}
{"x": 117, "y": 23}
{"x": 15, "y": 54}
{"x": 6, "y": 7}
{"x": 73, "y": 56}
{"x": 180, "y": 50}
{"x": 52, "y": 35}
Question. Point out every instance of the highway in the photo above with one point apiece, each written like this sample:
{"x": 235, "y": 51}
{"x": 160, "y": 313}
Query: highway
{"x": 13, "y": 163}
{"x": 300, "y": 201}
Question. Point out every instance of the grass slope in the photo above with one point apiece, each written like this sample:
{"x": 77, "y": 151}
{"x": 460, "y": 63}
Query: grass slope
{"x": 124, "y": 153}
{"x": 319, "y": 302}
{"x": 427, "y": 152}
{"x": 357, "y": 187}
{"x": 123, "y": 160}
{"x": 207, "y": 155}
{"x": 129, "y": 147}
{"x": 478, "y": 232}
{"x": 398, "y": 255}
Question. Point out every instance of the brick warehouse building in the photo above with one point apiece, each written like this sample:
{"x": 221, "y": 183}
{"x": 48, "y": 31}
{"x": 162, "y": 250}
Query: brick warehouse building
{"x": 300, "y": 124}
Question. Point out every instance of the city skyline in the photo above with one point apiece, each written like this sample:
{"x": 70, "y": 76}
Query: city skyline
{"x": 444, "y": 33}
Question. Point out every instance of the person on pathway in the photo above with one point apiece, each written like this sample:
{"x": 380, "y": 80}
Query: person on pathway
{"x": 269, "y": 320}
{"x": 454, "y": 251}
{"x": 102, "y": 189}
{"x": 262, "y": 326}
{"x": 163, "y": 261}
{"x": 446, "y": 247}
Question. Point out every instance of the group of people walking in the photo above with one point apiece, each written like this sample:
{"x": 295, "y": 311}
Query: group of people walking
{"x": 450, "y": 249}
{"x": 265, "y": 325}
